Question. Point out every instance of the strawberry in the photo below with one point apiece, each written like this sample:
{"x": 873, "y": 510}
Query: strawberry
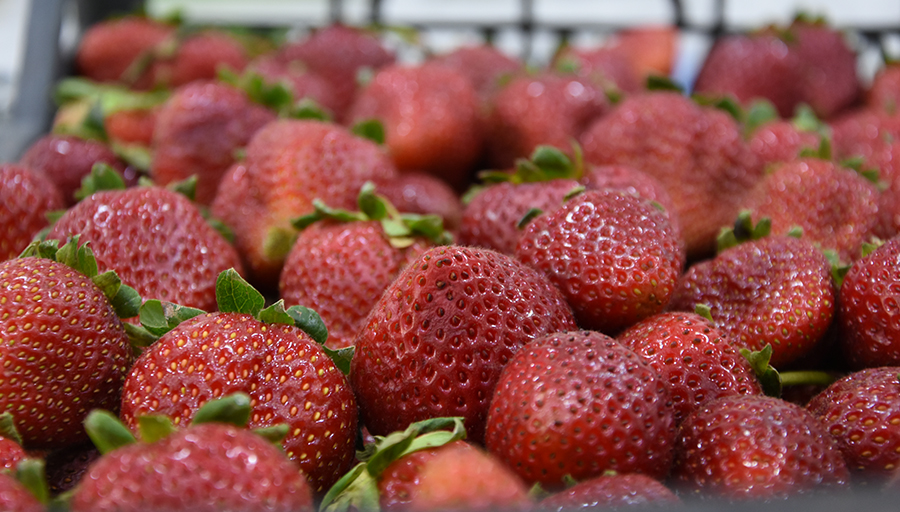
{"x": 616, "y": 257}
{"x": 548, "y": 109}
{"x": 776, "y": 291}
{"x": 867, "y": 311}
{"x": 288, "y": 164}
{"x": 11, "y": 451}
{"x": 132, "y": 126}
{"x": 66, "y": 160}
{"x": 829, "y": 80}
{"x": 301, "y": 82}
{"x": 607, "y": 65}
{"x": 27, "y": 198}
{"x": 863, "y": 133}
{"x": 484, "y": 65}
{"x": 261, "y": 352}
{"x": 418, "y": 192}
{"x": 197, "y": 132}
{"x": 155, "y": 238}
{"x": 431, "y": 119}
{"x": 199, "y": 56}
{"x": 630, "y": 180}
{"x": 340, "y": 265}
{"x": 651, "y": 49}
{"x": 780, "y": 140}
{"x": 835, "y": 207}
{"x": 579, "y": 404}
{"x": 66, "y": 467}
{"x": 436, "y": 340}
{"x": 65, "y": 350}
{"x": 613, "y": 491}
{"x": 16, "y": 495}
{"x": 697, "y": 153}
{"x": 210, "y": 466}
{"x": 692, "y": 357}
{"x": 859, "y": 411}
{"x": 339, "y": 54}
{"x": 109, "y": 50}
{"x": 755, "y": 447}
{"x": 882, "y": 92}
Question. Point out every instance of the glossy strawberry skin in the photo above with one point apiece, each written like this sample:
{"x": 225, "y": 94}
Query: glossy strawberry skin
{"x": 860, "y": 411}
{"x": 11, "y": 453}
{"x": 756, "y": 447}
{"x": 867, "y": 311}
{"x": 156, "y": 240}
{"x": 692, "y": 357}
{"x": 435, "y": 342}
{"x": 616, "y": 258}
{"x": 65, "y": 351}
{"x": 781, "y": 141}
{"x": 417, "y": 192}
{"x": 197, "y": 132}
{"x": 579, "y": 404}
{"x": 208, "y": 467}
{"x": 618, "y": 491}
{"x": 107, "y": 49}
{"x": 776, "y": 290}
{"x": 26, "y": 199}
{"x": 340, "y": 270}
{"x": 287, "y": 375}
{"x": 485, "y": 66}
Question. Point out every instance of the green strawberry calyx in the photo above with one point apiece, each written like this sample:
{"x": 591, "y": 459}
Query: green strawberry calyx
{"x": 545, "y": 163}
{"x": 275, "y": 95}
{"x": 743, "y": 230}
{"x": 400, "y": 228}
{"x": 358, "y": 488}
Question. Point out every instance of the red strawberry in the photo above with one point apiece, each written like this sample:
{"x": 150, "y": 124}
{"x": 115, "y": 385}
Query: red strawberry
{"x": 870, "y": 335}
{"x": 774, "y": 291}
{"x": 882, "y": 93}
{"x": 65, "y": 350}
{"x": 431, "y": 119}
{"x": 693, "y": 358}
{"x": 579, "y": 404}
{"x": 288, "y": 164}
{"x": 26, "y": 199}
{"x": 829, "y": 81}
{"x": 200, "y": 56}
{"x": 756, "y": 447}
{"x": 416, "y": 192}
{"x": 835, "y": 207}
{"x": 613, "y": 492}
{"x": 484, "y": 65}
{"x": 287, "y": 375}
{"x": 635, "y": 182}
{"x": 436, "y": 340}
{"x": 548, "y": 109}
{"x": 11, "y": 452}
{"x": 339, "y": 54}
{"x": 779, "y": 140}
{"x": 697, "y": 153}
{"x": 302, "y": 82}
{"x": 198, "y": 131}
{"x": 863, "y": 133}
{"x": 16, "y": 497}
{"x": 133, "y": 126}
{"x": 616, "y": 257}
{"x": 66, "y": 160}
{"x": 860, "y": 412}
{"x": 651, "y": 49}
{"x": 607, "y": 65}
{"x": 109, "y": 50}
{"x": 207, "y": 467}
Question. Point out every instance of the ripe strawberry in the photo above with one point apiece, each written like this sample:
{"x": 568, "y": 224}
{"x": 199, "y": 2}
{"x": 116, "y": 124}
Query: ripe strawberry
{"x": 547, "y": 109}
{"x": 692, "y": 357}
{"x": 774, "y": 291}
{"x": 155, "y": 239}
{"x": 108, "y": 49}
{"x": 301, "y": 82}
{"x": 207, "y": 467}
{"x": 579, "y": 404}
{"x": 199, "y": 56}
{"x": 431, "y": 119}
{"x": 484, "y": 65}
{"x": 780, "y": 140}
{"x": 867, "y": 315}
{"x": 288, "y": 164}
{"x": 287, "y": 375}
{"x": 26, "y": 199}
{"x": 197, "y": 132}
{"x": 16, "y": 497}
{"x": 339, "y": 54}
{"x": 756, "y": 447}
{"x": 65, "y": 350}
{"x": 651, "y": 49}
{"x": 863, "y": 133}
{"x": 835, "y": 207}
{"x": 613, "y": 492}
{"x": 66, "y": 160}
{"x": 697, "y": 153}
{"x": 616, "y": 258}
{"x": 882, "y": 92}
{"x": 11, "y": 451}
{"x": 829, "y": 81}
{"x": 607, "y": 65}
{"x": 340, "y": 266}
{"x": 859, "y": 411}
{"x": 630, "y": 180}
{"x": 436, "y": 340}
{"x": 132, "y": 126}
{"x": 417, "y": 192}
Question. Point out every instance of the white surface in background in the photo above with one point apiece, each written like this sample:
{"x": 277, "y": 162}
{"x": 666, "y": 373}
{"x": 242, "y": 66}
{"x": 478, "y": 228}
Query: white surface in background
{"x": 13, "y": 17}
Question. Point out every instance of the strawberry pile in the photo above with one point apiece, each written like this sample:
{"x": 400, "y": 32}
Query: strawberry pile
{"x": 243, "y": 273}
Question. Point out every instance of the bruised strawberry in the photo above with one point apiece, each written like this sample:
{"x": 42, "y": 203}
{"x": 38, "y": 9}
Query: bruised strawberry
{"x": 288, "y": 164}
{"x": 613, "y": 492}
{"x": 26, "y": 199}
{"x": 692, "y": 357}
{"x": 776, "y": 291}
{"x": 108, "y": 49}
{"x": 756, "y": 447}
{"x": 197, "y": 132}
{"x": 616, "y": 257}
{"x": 431, "y": 117}
{"x": 66, "y": 160}
{"x": 579, "y": 404}
{"x": 435, "y": 342}
{"x": 697, "y": 153}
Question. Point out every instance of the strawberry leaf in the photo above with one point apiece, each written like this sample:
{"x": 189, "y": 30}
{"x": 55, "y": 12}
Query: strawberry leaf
{"x": 341, "y": 357}
{"x": 235, "y": 295}
{"x": 186, "y": 187}
{"x": 106, "y": 431}
{"x": 275, "y": 314}
{"x": 154, "y": 427}
{"x": 136, "y": 155}
{"x": 233, "y": 409}
{"x": 79, "y": 258}
{"x": 8, "y": 428}
{"x": 372, "y": 129}
{"x": 31, "y": 473}
{"x": 309, "y": 321}
{"x": 759, "y": 113}
{"x": 372, "y": 205}
{"x": 126, "y": 302}
{"x": 307, "y": 108}
{"x": 705, "y": 311}
{"x": 275, "y": 434}
{"x": 102, "y": 177}
{"x": 160, "y": 317}
{"x": 662, "y": 83}
{"x": 528, "y": 217}
{"x": 767, "y": 375}
{"x": 46, "y": 249}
